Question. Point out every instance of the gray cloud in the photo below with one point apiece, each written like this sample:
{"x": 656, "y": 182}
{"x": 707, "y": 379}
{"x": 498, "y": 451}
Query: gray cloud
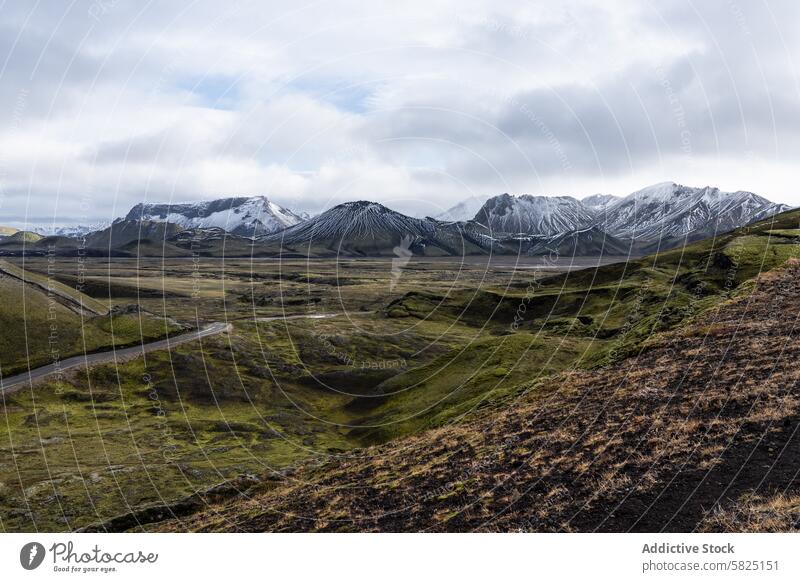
{"x": 419, "y": 104}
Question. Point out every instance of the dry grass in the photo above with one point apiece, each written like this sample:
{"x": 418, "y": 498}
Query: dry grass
{"x": 756, "y": 514}
{"x": 646, "y": 445}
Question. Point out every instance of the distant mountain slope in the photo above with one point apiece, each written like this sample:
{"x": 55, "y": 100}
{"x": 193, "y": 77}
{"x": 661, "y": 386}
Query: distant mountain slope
{"x": 669, "y": 210}
{"x": 370, "y": 229}
{"x": 74, "y": 231}
{"x": 122, "y": 232}
{"x": 246, "y": 216}
{"x": 590, "y": 241}
{"x": 24, "y": 236}
{"x": 599, "y": 202}
{"x": 463, "y": 211}
{"x": 534, "y": 215}
{"x": 584, "y": 242}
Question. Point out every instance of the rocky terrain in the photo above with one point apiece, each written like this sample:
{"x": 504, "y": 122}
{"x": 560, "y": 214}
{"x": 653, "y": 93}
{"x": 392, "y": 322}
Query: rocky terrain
{"x": 681, "y": 437}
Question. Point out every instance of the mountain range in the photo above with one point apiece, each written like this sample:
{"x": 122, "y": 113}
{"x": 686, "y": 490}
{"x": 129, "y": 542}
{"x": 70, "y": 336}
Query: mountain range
{"x": 661, "y": 216}
{"x": 669, "y": 210}
{"x": 75, "y": 231}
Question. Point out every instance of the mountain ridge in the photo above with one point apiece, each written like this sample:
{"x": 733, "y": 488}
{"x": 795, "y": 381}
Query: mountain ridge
{"x": 657, "y": 217}
{"x": 533, "y": 215}
{"x": 243, "y": 215}
{"x": 669, "y": 209}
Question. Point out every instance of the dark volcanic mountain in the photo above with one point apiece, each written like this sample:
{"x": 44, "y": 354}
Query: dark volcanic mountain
{"x": 370, "y": 229}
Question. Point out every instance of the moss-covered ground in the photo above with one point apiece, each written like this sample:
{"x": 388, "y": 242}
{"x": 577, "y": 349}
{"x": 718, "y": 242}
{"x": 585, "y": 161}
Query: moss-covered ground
{"x": 364, "y": 356}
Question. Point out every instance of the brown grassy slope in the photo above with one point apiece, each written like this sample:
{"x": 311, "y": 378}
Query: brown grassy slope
{"x": 703, "y": 417}
{"x": 756, "y": 514}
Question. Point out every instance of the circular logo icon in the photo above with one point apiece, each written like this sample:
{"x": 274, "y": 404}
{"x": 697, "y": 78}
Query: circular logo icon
{"x": 31, "y": 555}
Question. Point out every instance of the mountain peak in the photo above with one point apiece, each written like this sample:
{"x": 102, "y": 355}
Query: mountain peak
{"x": 670, "y": 210}
{"x": 599, "y": 202}
{"x": 464, "y": 210}
{"x": 534, "y": 215}
{"x": 243, "y": 215}
{"x": 362, "y": 205}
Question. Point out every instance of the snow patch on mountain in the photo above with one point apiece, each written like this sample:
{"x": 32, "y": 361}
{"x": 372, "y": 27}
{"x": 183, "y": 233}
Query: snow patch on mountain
{"x": 463, "y": 211}
{"x": 668, "y": 210}
{"x": 599, "y": 202}
{"x": 535, "y": 215}
{"x": 72, "y": 231}
{"x": 246, "y": 216}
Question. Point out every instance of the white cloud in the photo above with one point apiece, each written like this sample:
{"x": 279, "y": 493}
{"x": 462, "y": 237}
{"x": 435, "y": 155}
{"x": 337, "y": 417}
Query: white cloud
{"x": 416, "y": 104}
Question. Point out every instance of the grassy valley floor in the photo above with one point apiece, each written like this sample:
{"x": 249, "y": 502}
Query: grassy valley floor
{"x": 448, "y": 395}
{"x": 685, "y": 436}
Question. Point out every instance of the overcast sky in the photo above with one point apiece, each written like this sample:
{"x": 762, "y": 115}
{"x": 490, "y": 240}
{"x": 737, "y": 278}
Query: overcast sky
{"x": 416, "y": 104}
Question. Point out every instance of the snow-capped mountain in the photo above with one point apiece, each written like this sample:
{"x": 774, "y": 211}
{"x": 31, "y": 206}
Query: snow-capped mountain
{"x": 465, "y": 210}
{"x": 664, "y": 215}
{"x": 534, "y": 215}
{"x": 72, "y": 231}
{"x": 246, "y": 216}
{"x": 599, "y": 202}
{"x": 669, "y": 210}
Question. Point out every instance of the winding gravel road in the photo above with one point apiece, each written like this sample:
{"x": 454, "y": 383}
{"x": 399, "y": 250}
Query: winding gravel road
{"x": 86, "y": 360}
